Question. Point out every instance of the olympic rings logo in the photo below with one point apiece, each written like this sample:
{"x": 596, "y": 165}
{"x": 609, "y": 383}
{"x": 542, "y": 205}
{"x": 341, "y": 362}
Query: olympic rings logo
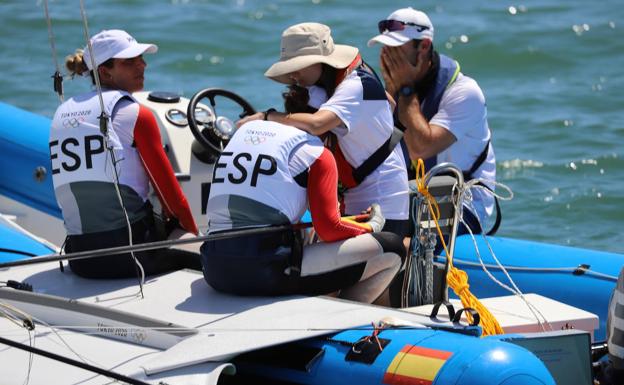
{"x": 254, "y": 139}
{"x": 72, "y": 122}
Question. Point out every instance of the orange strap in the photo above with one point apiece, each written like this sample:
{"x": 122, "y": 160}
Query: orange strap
{"x": 344, "y": 72}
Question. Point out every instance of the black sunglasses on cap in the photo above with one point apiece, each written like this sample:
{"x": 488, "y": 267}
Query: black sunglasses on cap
{"x": 396, "y": 25}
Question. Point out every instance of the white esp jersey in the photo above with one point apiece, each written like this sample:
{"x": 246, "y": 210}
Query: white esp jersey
{"x": 82, "y": 170}
{"x": 255, "y": 179}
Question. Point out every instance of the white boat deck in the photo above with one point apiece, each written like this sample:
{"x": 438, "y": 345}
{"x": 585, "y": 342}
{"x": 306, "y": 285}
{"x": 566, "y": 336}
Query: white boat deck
{"x": 217, "y": 326}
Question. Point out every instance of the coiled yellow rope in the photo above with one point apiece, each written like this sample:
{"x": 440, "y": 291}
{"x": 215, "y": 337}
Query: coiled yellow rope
{"x": 456, "y": 279}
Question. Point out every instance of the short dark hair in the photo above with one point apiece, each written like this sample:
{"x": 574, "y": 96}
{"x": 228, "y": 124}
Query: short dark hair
{"x": 296, "y": 99}
{"x": 417, "y": 42}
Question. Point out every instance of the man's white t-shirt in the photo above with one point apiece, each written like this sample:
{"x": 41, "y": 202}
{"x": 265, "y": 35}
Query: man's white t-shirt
{"x": 463, "y": 112}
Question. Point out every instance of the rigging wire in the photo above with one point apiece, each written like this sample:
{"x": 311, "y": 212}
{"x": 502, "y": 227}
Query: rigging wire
{"x": 22, "y": 320}
{"x": 152, "y": 245}
{"x": 72, "y": 362}
{"x": 91, "y": 330}
{"x": 58, "y": 77}
{"x": 105, "y": 123}
{"x": 31, "y": 356}
{"x": 15, "y": 315}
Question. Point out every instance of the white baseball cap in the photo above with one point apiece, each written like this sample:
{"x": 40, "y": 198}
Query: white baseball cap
{"x": 114, "y": 43}
{"x": 403, "y": 25}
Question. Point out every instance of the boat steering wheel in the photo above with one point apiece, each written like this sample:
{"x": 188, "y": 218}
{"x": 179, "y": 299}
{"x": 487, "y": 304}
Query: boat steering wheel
{"x": 213, "y": 132}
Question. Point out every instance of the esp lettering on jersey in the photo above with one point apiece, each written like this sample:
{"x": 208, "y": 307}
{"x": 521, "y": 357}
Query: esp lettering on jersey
{"x": 246, "y": 166}
{"x": 72, "y": 158}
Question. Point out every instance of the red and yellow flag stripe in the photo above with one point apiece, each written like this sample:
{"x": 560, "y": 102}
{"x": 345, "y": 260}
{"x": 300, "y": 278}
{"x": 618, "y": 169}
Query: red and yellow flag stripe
{"x": 415, "y": 365}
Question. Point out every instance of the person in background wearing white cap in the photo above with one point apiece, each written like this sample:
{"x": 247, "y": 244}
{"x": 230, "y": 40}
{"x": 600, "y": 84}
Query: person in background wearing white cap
{"x": 351, "y": 107}
{"x": 442, "y": 110}
{"x": 82, "y": 169}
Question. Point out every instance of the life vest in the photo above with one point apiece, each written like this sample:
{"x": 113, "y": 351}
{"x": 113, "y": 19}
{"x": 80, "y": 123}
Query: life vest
{"x": 429, "y": 106}
{"x": 350, "y": 175}
{"x": 447, "y": 74}
{"x": 82, "y": 170}
{"x": 252, "y": 184}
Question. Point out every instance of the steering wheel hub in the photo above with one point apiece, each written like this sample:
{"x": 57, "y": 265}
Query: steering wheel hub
{"x": 224, "y": 128}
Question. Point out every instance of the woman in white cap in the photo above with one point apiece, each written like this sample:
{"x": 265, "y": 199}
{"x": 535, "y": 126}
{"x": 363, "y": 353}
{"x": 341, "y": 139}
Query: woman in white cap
{"x": 95, "y": 165}
{"x": 350, "y": 104}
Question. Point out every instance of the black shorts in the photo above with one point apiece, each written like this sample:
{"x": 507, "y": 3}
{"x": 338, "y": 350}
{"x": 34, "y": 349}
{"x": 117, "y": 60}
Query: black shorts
{"x": 400, "y": 227}
{"x": 122, "y": 265}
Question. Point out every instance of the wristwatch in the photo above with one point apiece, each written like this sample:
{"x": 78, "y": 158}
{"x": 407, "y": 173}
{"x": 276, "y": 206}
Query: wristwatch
{"x": 406, "y": 91}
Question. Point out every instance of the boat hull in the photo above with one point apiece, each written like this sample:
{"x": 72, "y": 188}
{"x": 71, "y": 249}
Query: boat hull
{"x": 425, "y": 356}
{"x": 25, "y": 160}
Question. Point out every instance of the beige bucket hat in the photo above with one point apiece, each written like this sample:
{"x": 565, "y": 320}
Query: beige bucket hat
{"x": 306, "y": 44}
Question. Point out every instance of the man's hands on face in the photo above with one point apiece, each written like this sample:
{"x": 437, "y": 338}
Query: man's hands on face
{"x": 397, "y": 70}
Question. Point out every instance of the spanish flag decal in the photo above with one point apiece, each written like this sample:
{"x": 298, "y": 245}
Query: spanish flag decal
{"x": 415, "y": 365}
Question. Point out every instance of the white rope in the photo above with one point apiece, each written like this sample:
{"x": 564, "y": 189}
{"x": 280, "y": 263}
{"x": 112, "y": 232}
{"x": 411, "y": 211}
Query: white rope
{"x": 465, "y": 191}
{"x": 478, "y": 183}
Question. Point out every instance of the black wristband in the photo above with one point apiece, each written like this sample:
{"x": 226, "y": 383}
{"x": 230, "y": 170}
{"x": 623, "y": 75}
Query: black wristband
{"x": 267, "y": 112}
{"x": 407, "y": 91}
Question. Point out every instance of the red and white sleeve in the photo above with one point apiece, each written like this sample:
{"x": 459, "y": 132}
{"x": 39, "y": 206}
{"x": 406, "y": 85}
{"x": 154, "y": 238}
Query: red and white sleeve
{"x": 161, "y": 175}
{"x": 323, "y": 200}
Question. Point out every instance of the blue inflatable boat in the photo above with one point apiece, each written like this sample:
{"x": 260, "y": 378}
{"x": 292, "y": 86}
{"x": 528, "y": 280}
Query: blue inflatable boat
{"x": 15, "y": 244}
{"x": 579, "y": 277}
{"x": 392, "y": 355}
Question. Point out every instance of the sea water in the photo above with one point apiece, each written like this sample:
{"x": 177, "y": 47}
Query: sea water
{"x": 551, "y": 72}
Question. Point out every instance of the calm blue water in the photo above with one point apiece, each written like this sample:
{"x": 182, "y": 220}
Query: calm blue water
{"x": 551, "y": 72}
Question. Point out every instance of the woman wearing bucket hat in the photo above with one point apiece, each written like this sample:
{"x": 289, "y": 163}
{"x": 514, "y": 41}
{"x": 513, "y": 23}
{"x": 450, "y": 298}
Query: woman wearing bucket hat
{"x": 94, "y": 166}
{"x": 353, "y": 110}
